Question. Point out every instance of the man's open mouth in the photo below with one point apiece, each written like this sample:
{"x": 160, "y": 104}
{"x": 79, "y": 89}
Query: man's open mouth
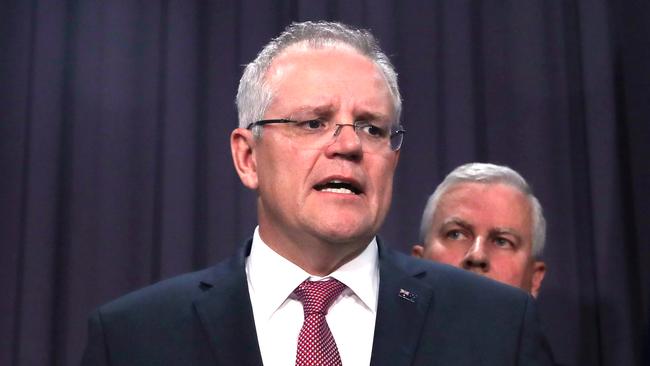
{"x": 338, "y": 186}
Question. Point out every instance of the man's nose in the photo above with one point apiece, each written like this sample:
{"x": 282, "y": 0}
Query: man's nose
{"x": 345, "y": 141}
{"x": 476, "y": 258}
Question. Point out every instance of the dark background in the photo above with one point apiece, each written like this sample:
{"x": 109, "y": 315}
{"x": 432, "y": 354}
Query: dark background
{"x": 115, "y": 167}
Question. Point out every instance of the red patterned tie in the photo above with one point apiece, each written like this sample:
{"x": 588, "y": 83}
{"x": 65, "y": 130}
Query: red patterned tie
{"x": 316, "y": 345}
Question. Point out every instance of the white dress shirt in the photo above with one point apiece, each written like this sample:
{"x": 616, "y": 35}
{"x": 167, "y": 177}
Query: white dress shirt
{"x": 279, "y": 315}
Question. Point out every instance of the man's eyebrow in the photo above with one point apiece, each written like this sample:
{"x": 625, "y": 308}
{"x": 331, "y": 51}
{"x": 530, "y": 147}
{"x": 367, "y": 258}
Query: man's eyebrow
{"x": 457, "y": 221}
{"x": 507, "y": 231}
{"x": 372, "y": 116}
{"x": 327, "y": 109}
{"x": 316, "y": 109}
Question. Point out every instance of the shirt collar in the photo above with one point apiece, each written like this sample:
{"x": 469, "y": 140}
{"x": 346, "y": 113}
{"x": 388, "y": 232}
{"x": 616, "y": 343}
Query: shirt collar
{"x": 272, "y": 278}
{"x": 361, "y": 275}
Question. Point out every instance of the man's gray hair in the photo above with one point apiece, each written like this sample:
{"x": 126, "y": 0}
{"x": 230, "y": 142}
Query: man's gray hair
{"x": 255, "y": 95}
{"x": 487, "y": 174}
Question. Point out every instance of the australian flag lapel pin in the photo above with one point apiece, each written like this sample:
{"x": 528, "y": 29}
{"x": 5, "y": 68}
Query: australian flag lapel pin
{"x": 407, "y": 295}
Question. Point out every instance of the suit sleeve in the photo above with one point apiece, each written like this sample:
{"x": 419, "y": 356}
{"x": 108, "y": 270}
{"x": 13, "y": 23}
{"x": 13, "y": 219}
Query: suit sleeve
{"x": 533, "y": 347}
{"x": 96, "y": 353}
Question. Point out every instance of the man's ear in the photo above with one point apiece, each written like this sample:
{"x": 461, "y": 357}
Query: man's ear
{"x": 417, "y": 251}
{"x": 539, "y": 270}
{"x": 242, "y": 145}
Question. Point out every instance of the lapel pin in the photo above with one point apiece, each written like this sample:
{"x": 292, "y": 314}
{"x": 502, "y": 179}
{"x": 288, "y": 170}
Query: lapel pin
{"x": 407, "y": 295}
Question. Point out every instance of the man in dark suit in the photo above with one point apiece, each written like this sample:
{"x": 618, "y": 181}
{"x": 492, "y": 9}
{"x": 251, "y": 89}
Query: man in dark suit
{"x": 319, "y": 140}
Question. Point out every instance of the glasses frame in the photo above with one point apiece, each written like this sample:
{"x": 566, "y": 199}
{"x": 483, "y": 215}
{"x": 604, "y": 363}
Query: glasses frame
{"x": 398, "y": 131}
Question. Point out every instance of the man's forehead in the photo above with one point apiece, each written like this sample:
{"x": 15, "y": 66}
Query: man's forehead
{"x": 304, "y": 68}
{"x": 289, "y": 58}
{"x": 306, "y": 48}
{"x": 497, "y": 203}
{"x": 471, "y": 192}
{"x": 327, "y": 106}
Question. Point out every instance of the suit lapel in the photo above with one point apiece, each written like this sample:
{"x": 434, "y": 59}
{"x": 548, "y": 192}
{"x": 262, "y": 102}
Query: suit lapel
{"x": 224, "y": 309}
{"x": 402, "y": 306}
{"x": 225, "y": 312}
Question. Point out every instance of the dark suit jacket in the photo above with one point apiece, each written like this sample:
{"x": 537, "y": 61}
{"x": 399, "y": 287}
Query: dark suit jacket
{"x": 428, "y": 314}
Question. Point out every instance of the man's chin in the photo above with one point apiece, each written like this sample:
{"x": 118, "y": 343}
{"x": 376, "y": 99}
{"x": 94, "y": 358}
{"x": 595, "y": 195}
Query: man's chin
{"x": 341, "y": 223}
{"x": 345, "y": 233}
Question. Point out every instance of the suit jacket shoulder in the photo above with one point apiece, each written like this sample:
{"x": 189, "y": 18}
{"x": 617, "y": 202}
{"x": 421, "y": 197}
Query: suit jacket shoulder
{"x": 435, "y": 314}
{"x": 186, "y": 320}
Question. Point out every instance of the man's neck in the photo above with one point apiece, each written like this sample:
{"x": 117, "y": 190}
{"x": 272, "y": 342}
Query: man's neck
{"x": 315, "y": 256}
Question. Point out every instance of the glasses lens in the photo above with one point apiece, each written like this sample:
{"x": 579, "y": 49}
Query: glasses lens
{"x": 396, "y": 141}
{"x": 396, "y": 138}
{"x": 315, "y": 134}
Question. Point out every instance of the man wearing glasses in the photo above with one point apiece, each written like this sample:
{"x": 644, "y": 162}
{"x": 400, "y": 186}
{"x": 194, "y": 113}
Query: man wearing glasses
{"x": 318, "y": 140}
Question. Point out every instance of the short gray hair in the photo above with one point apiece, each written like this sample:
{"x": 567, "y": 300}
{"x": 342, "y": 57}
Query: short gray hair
{"x": 254, "y": 95}
{"x": 487, "y": 174}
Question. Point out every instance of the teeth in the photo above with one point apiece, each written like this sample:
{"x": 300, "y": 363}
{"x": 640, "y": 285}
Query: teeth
{"x": 338, "y": 190}
{"x": 337, "y": 186}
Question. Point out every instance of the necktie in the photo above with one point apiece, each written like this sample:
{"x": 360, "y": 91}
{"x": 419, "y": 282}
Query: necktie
{"x": 316, "y": 345}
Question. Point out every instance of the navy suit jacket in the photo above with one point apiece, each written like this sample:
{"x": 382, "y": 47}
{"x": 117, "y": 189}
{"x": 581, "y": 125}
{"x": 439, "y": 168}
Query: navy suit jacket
{"x": 428, "y": 314}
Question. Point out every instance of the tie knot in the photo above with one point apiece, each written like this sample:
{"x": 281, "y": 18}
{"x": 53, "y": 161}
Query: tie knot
{"x": 317, "y": 296}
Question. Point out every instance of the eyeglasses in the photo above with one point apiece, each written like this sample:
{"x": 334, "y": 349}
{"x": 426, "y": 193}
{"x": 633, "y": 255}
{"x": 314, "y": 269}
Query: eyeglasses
{"x": 316, "y": 133}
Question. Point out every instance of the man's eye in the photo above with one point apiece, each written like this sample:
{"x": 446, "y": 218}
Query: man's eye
{"x": 373, "y": 130}
{"x": 311, "y": 125}
{"x": 503, "y": 243}
{"x": 455, "y": 235}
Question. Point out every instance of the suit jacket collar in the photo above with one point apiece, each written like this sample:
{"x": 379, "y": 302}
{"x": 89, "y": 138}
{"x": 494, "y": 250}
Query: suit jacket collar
{"x": 402, "y": 307}
{"x": 225, "y": 311}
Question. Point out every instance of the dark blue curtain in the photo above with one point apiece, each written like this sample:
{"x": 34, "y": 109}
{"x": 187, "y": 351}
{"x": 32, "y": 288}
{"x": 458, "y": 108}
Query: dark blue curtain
{"x": 115, "y": 167}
